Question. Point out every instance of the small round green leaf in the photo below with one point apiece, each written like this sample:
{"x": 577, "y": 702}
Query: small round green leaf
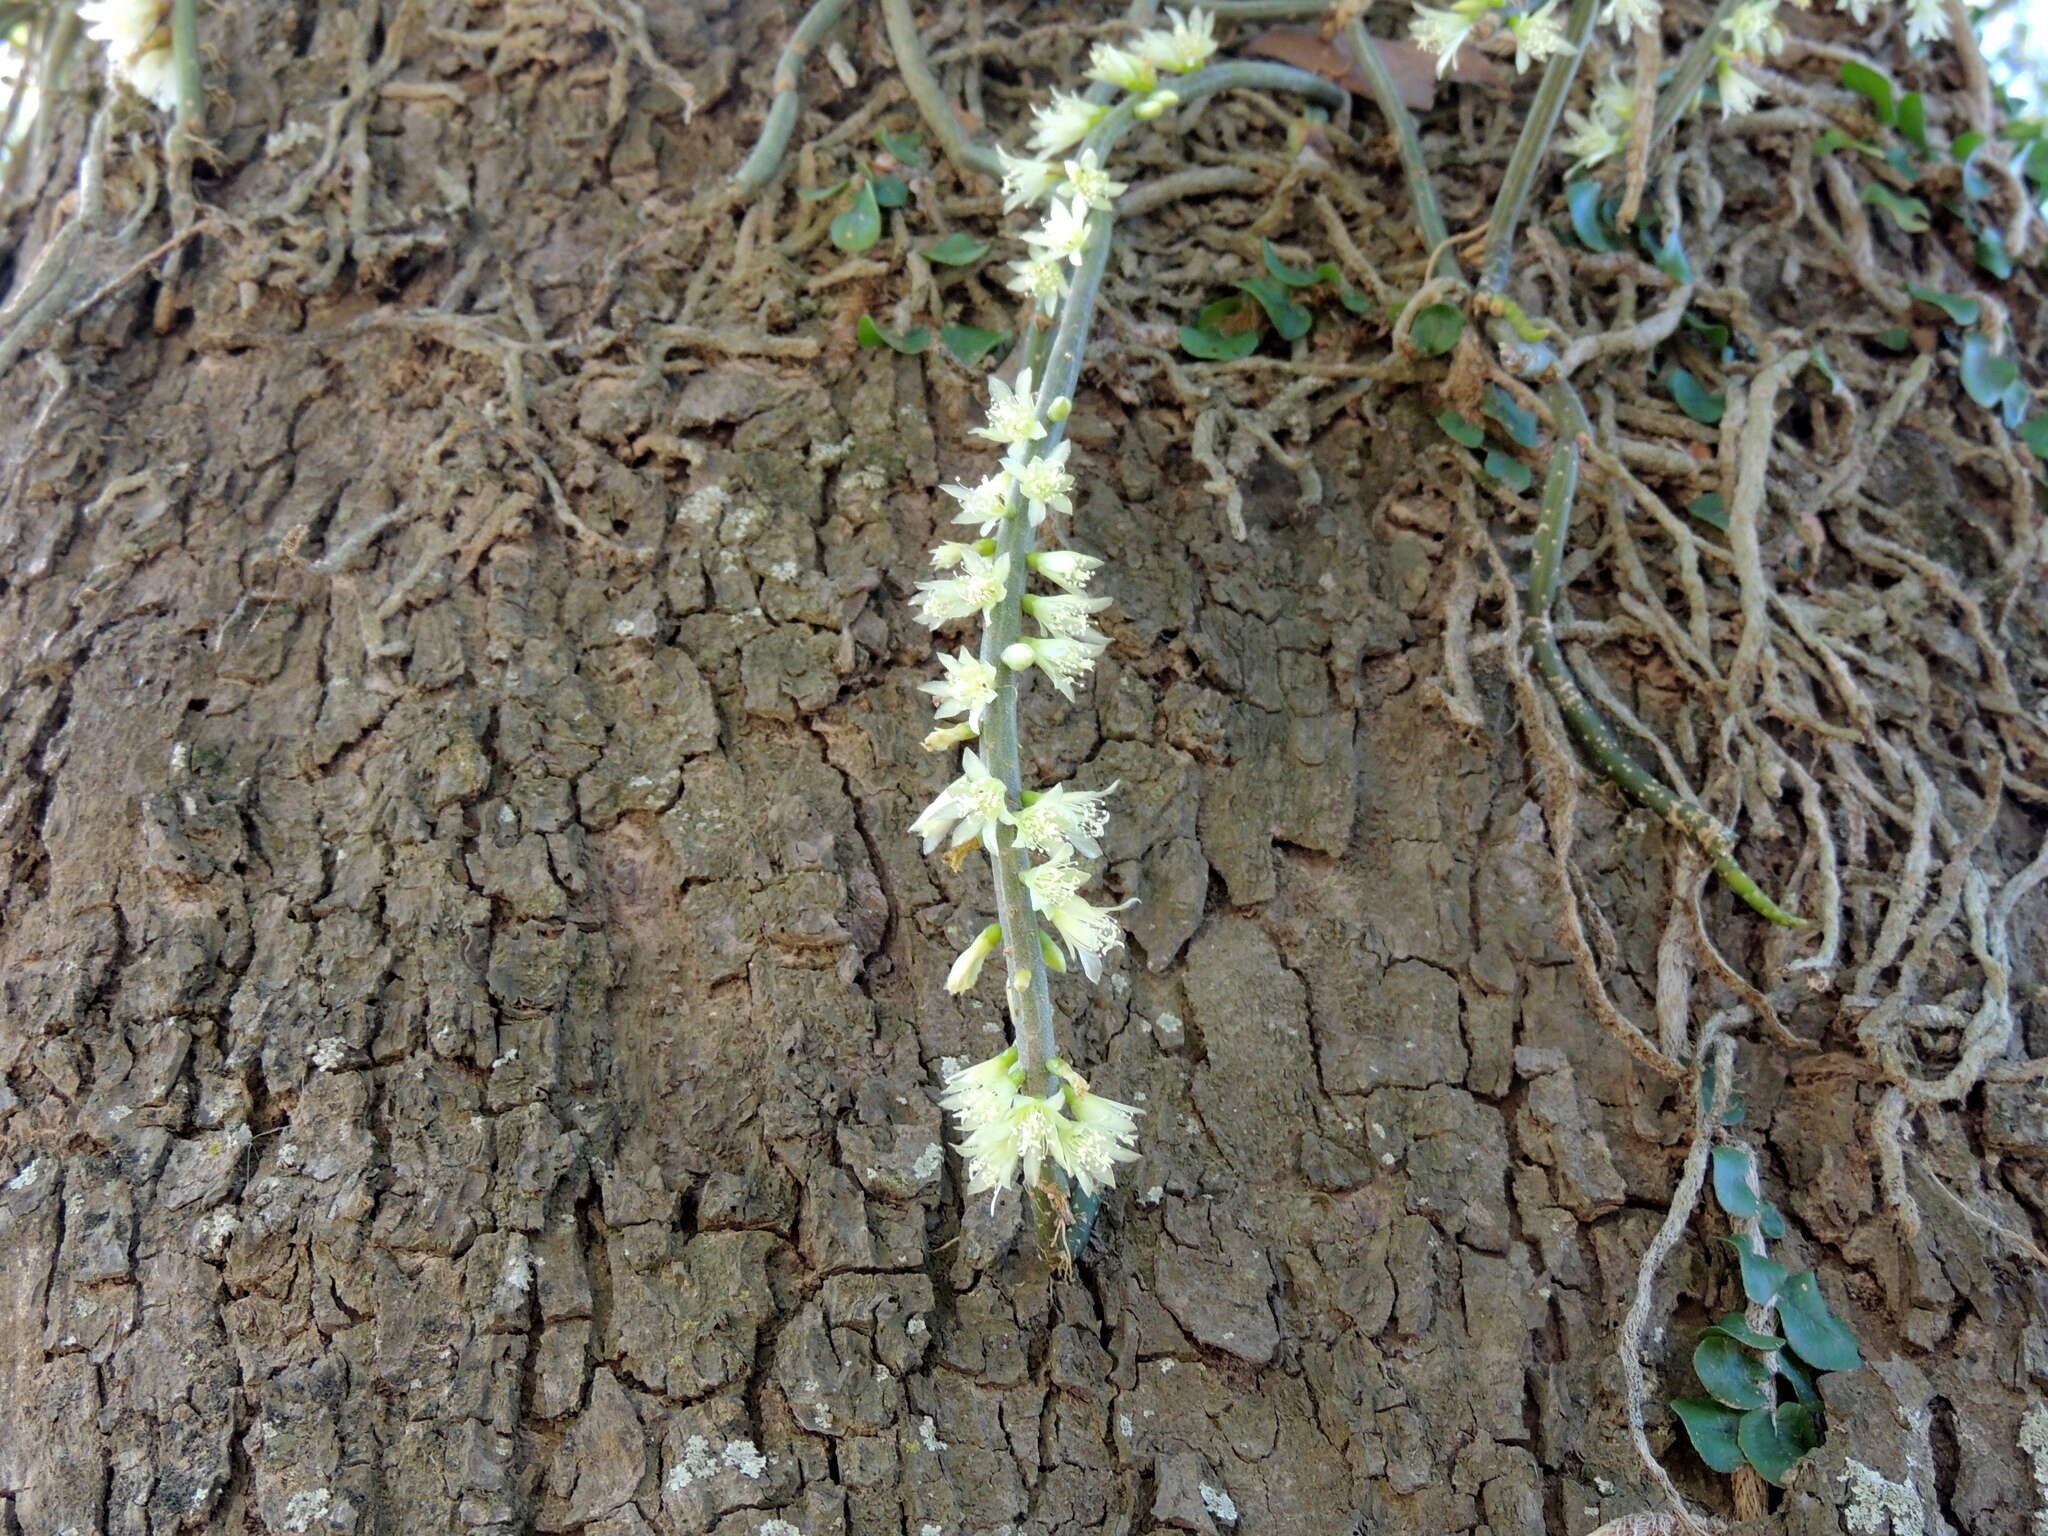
{"x": 1215, "y": 346}
{"x": 1732, "y": 1374}
{"x": 1761, "y": 1277}
{"x": 1774, "y": 1439}
{"x": 1986, "y": 376}
{"x": 1913, "y": 119}
{"x": 1469, "y": 433}
{"x": 1992, "y": 255}
{"x": 1735, "y": 1182}
{"x": 1897, "y": 339}
{"x": 1711, "y": 509}
{"x": 1737, "y": 1329}
{"x": 1711, "y": 1428}
{"x": 1437, "y": 328}
{"x": 958, "y": 249}
{"x": 870, "y": 334}
{"x": 1772, "y": 1220}
{"x": 969, "y": 343}
{"x": 856, "y": 229}
{"x": 1694, "y": 398}
{"x": 1290, "y": 320}
{"x": 1909, "y": 213}
{"x": 2034, "y": 433}
{"x": 1293, "y": 277}
{"x": 891, "y": 191}
{"x": 1510, "y": 472}
{"x": 1963, "y": 309}
{"x": 904, "y": 148}
{"x": 1812, "y": 1329}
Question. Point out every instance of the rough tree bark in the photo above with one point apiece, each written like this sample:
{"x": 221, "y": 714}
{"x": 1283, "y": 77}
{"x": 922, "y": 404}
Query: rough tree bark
{"x": 473, "y": 1012}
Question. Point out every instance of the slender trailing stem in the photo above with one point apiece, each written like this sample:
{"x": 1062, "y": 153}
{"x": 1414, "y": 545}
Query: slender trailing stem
{"x": 1429, "y": 217}
{"x": 760, "y": 166}
{"x": 185, "y": 60}
{"x": 1546, "y": 558}
{"x": 1686, "y": 81}
{"x": 180, "y": 144}
{"x": 1030, "y": 994}
{"x": 1253, "y": 75}
{"x": 930, "y": 96}
{"x": 1526, "y": 164}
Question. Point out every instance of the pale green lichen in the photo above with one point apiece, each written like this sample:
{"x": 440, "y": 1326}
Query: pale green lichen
{"x": 1880, "y": 1507}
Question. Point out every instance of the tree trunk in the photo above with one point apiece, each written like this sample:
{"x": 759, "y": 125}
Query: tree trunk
{"x": 473, "y": 1012}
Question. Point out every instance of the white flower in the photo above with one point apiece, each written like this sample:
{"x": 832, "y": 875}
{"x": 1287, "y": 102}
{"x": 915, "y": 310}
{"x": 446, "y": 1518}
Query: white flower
{"x": 1859, "y": 10}
{"x": 1068, "y": 617}
{"x": 1753, "y": 29}
{"x": 1063, "y": 817}
{"x": 1025, "y": 181}
{"x": 978, "y": 1094}
{"x": 1185, "y": 46}
{"x": 1537, "y": 35}
{"x": 950, "y": 556}
{"x": 1016, "y": 1142}
{"x": 1097, "y": 1139}
{"x": 1604, "y": 131}
{"x": 1121, "y": 68}
{"x": 1739, "y": 93}
{"x": 1064, "y": 662}
{"x": 1926, "y": 21}
{"x": 1043, "y": 480}
{"x": 1043, "y": 278}
{"x": 1091, "y": 182}
{"x": 978, "y": 588}
{"x": 1066, "y": 569}
{"x": 1065, "y": 230}
{"x": 1443, "y": 32}
{"x": 138, "y": 45}
{"x": 1064, "y": 122}
{"x": 1054, "y": 887}
{"x": 970, "y": 807}
{"x": 984, "y": 506}
{"x": 968, "y": 688}
{"x": 1012, "y": 413}
{"x": 1625, "y": 16}
{"x": 966, "y": 970}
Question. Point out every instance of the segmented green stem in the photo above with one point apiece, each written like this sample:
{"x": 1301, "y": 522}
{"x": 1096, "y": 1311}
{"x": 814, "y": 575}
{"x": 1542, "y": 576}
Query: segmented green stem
{"x": 1429, "y": 217}
{"x": 930, "y": 96}
{"x": 1546, "y": 558}
{"x": 1686, "y": 81}
{"x": 760, "y": 166}
{"x": 1526, "y": 164}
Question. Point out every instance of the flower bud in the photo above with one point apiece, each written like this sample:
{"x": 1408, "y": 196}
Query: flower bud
{"x": 1155, "y": 104}
{"x": 1019, "y": 657}
{"x": 966, "y": 969}
{"x": 1060, "y": 409}
{"x": 949, "y": 736}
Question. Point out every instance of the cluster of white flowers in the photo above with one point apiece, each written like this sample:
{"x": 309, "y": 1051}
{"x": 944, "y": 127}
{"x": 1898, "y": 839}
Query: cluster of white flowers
{"x": 1013, "y": 1134}
{"x": 138, "y": 38}
{"x": 1750, "y": 34}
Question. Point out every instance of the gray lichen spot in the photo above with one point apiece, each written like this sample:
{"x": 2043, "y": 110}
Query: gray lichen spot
{"x": 1877, "y": 1506}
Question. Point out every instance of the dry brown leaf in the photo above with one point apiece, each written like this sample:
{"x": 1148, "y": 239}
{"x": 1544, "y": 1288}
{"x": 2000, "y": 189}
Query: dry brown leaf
{"x": 1413, "y": 68}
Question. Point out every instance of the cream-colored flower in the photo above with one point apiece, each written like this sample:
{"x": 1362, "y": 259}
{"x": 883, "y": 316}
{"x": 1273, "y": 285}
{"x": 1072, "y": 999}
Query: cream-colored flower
{"x": 1042, "y": 480}
{"x": 1063, "y": 818}
{"x": 1538, "y": 35}
{"x": 1065, "y": 663}
{"x": 1091, "y": 183}
{"x": 1025, "y": 181}
{"x": 1064, "y": 232}
{"x": 1067, "y": 569}
{"x": 968, "y": 688}
{"x": 1012, "y": 412}
{"x": 1054, "y": 887}
{"x": 978, "y": 588}
{"x": 966, "y": 969}
{"x": 1185, "y": 45}
{"x": 1063, "y": 122}
{"x": 1120, "y": 67}
{"x": 970, "y": 807}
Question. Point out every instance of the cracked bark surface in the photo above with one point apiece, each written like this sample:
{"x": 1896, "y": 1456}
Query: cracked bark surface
{"x": 470, "y": 1061}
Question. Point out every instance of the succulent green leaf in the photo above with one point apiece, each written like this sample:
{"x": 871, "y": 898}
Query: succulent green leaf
{"x": 1913, "y": 119}
{"x": 1469, "y": 433}
{"x": 1909, "y": 213}
{"x": 904, "y": 148}
{"x": 891, "y": 191}
{"x": 1761, "y": 1277}
{"x": 1774, "y": 1439}
{"x": 1582, "y": 202}
{"x": 2034, "y": 433}
{"x": 819, "y": 194}
{"x": 958, "y": 249}
{"x": 1694, "y": 398}
{"x": 1897, "y": 339}
{"x": 1712, "y": 509}
{"x": 1290, "y": 321}
{"x": 1711, "y": 1428}
{"x": 1873, "y": 87}
{"x": 1437, "y": 328}
{"x": 1735, "y": 1182}
{"x": 1518, "y": 422}
{"x": 1963, "y": 309}
{"x": 1966, "y": 146}
{"x": 1293, "y": 277}
{"x": 1772, "y": 1220}
{"x": 856, "y": 229}
{"x": 1992, "y": 255}
{"x": 970, "y": 343}
{"x": 1816, "y": 1335}
{"x": 1732, "y": 1374}
{"x": 1986, "y": 376}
